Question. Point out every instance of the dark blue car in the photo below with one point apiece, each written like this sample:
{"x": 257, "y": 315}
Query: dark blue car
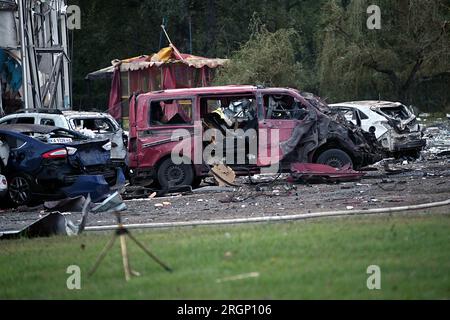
{"x": 44, "y": 160}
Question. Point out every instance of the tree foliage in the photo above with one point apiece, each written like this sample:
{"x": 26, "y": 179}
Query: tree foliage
{"x": 321, "y": 46}
{"x": 267, "y": 58}
{"x": 398, "y": 62}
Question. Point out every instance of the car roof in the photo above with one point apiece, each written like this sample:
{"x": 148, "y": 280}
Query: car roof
{"x": 213, "y": 90}
{"x": 204, "y": 90}
{"x": 65, "y": 113}
{"x": 71, "y": 113}
{"x": 30, "y": 128}
{"x": 368, "y": 104}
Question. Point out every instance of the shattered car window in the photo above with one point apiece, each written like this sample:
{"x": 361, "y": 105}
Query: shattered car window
{"x": 25, "y": 120}
{"x": 47, "y": 122}
{"x": 284, "y": 107}
{"x": 362, "y": 115}
{"x": 399, "y": 112}
{"x": 223, "y": 113}
{"x": 170, "y": 112}
{"x": 349, "y": 114}
{"x": 97, "y": 125}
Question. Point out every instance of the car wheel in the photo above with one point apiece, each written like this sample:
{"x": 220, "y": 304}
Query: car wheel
{"x": 335, "y": 158}
{"x": 174, "y": 175}
{"x": 20, "y": 190}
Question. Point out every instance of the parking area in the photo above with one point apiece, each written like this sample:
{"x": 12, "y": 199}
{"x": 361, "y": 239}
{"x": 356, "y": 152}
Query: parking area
{"x": 403, "y": 184}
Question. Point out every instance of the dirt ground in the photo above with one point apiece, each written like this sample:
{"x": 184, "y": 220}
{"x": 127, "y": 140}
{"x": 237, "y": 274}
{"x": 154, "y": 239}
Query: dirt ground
{"x": 411, "y": 183}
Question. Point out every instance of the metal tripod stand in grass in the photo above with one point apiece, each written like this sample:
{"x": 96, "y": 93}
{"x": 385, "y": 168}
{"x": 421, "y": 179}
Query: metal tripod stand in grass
{"x": 122, "y": 232}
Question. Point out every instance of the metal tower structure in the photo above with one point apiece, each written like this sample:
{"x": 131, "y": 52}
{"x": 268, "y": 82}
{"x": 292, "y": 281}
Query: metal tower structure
{"x": 42, "y": 38}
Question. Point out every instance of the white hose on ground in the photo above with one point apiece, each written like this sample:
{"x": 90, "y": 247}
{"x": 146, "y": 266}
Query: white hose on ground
{"x": 272, "y": 218}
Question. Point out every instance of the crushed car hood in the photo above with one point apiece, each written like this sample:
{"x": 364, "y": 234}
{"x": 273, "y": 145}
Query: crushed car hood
{"x": 322, "y": 124}
{"x": 398, "y": 116}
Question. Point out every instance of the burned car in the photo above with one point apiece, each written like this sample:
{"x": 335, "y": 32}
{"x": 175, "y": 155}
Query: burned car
{"x": 250, "y": 129}
{"x": 395, "y": 126}
{"x": 92, "y": 124}
{"x": 42, "y": 160}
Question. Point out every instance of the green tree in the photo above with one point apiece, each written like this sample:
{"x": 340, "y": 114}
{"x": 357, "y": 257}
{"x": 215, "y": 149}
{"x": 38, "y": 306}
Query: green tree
{"x": 267, "y": 58}
{"x": 411, "y": 49}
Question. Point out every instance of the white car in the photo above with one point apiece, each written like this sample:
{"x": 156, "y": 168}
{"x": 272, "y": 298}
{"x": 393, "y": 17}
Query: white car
{"x": 395, "y": 125}
{"x": 93, "y": 124}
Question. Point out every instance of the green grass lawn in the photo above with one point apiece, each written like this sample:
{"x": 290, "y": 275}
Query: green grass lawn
{"x": 320, "y": 259}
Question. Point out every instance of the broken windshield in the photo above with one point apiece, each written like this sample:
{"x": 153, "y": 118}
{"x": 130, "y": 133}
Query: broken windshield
{"x": 397, "y": 112}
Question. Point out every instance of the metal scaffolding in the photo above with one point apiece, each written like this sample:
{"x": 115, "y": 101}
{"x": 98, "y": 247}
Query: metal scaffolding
{"x": 42, "y": 38}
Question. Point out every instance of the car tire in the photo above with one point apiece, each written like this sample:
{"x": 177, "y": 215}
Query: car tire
{"x": 20, "y": 190}
{"x": 335, "y": 158}
{"x": 175, "y": 175}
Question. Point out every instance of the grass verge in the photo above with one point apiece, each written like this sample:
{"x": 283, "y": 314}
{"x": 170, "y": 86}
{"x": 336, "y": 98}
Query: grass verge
{"x": 320, "y": 259}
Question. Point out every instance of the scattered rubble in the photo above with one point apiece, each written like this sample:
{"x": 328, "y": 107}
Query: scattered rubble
{"x": 438, "y": 140}
{"x": 313, "y": 172}
{"x": 54, "y": 223}
{"x": 404, "y": 181}
{"x": 57, "y": 222}
{"x": 223, "y": 174}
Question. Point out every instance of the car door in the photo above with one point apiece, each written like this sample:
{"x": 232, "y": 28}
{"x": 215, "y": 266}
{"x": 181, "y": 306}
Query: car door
{"x": 275, "y": 126}
{"x": 366, "y": 122}
{"x": 161, "y": 125}
{"x": 21, "y": 154}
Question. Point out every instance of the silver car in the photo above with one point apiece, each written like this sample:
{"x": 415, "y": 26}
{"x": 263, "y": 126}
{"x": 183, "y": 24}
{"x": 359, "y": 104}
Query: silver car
{"x": 395, "y": 125}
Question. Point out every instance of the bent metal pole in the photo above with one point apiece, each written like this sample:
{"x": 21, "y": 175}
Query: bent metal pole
{"x": 273, "y": 218}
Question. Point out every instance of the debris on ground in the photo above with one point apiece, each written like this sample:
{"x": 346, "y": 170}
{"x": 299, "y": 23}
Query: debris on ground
{"x": 242, "y": 195}
{"x": 113, "y": 203}
{"x": 214, "y": 189}
{"x": 239, "y": 277}
{"x": 57, "y": 222}
{"x": 314, "y": 172}
{"x": 390, "y": 181}
{"x": 438, "y": 140}
{"x": 223, "y": 174}
{"x": 53, "y": 223}
{"x": 140, "y": 192}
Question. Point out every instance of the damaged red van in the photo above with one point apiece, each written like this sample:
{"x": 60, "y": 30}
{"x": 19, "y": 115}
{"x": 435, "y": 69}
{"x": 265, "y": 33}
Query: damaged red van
{"x": 252, "y": 129}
